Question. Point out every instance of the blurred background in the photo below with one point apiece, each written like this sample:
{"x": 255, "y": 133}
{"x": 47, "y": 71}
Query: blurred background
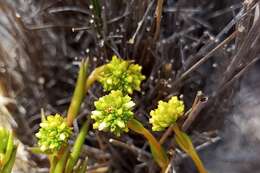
{"x": 200, "y": 45}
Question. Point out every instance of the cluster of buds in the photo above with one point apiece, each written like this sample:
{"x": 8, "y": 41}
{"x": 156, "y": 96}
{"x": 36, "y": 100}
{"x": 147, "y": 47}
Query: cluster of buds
{"x": 53, "y": 134}
{"x": 112, "y": 113}
{"x": 121, "y": 75}
{"x": 166, "y": 113}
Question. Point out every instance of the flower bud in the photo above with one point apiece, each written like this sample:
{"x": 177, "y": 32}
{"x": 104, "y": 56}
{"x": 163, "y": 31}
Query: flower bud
{"x": 166, "y": 113}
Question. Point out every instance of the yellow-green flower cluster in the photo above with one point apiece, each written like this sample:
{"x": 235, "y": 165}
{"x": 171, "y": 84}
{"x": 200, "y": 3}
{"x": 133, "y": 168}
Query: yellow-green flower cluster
{"x": 112, "y": 113}
{"x": 53, "y": 134}
{"x": 166, "y": 114}
{"x": 121, "y": 75}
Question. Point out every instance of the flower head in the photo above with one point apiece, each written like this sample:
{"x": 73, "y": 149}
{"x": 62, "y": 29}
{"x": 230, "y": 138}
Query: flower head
{"x": 112, "y": 113}
{"x": 166, "y": 114}
{"x": 53, "y": 134}
{"x": 121, "y": 75}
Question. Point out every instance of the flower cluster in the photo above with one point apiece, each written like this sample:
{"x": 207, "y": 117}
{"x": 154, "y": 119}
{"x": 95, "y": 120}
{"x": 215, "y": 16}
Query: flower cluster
{"x": 53, "y": 134}
{"x": 112, "y": 113}
{"x": 121, "y": 75}
{"x": 166, "y": 114}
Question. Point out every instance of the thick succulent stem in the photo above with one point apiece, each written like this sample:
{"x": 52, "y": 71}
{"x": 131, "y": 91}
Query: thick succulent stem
{"x": 79, "y": 93}
{"x": 74, "y": 155}
{"x": 53, "y": 162}
{"x": 186, "y": 145}
{"x": 9, "y": 148}
{"x": 92, "y": 78}
{"x": 157, "y": 151}
{"x": 9, "y": 165}
{"x": 62, "y": 162}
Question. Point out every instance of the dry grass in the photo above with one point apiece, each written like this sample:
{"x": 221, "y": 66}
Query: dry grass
{"x": 195, "y": 45}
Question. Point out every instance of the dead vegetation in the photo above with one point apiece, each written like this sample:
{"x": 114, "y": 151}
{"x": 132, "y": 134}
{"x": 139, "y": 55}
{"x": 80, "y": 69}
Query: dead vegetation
{"x": 194, "y": 45}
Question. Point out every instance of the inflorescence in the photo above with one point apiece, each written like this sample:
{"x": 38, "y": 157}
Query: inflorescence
{"x": 53, "y": 134}
{"x": 166, "y": 113}
{"x": 112, "y": 113}
{"x": 121, "y": 75}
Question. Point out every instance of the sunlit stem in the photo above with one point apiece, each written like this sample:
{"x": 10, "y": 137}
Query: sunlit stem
{"x": 93, "y": 77}
{"x": 75, "y": 153}
{"x": 9, "y": 148}
{"x": 53, "y": 162}
{"x": 158, "y": 153}
{"x": 60, "y": 166}
{"x": 186, "y": 145}
{"x": 9, "y": 165}
{"x": 79, "y": 93}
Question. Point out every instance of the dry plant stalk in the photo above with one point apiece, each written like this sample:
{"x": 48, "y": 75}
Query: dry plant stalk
{"x": 158, "y": 13}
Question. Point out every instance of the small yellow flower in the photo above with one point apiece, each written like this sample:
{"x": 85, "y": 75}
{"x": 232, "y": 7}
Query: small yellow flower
{"x": 121, "y": 75}
{"x": 166, "y": 114}
{"x": 54, "y": 133}
{"x": 112, "y": 113}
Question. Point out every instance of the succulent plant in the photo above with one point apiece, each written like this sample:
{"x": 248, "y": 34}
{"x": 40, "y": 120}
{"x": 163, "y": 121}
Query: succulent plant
{"x": 166, "y": 113}
{"x": 4, "y": 135}
{"x": 112, "y": 113}
{"x": 121, "y": 75}
{"x": 8, "y": 150}
{"x": 53, "y": 134}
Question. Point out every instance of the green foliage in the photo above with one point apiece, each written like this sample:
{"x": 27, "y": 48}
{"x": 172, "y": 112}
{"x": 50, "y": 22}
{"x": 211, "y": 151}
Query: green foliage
{"x": 121, "y": 75}
{"x": 112, "y": 113}
{"x": 4, "y": 135}
{"x": 79, "y": 93}
{"x": 7, "y": 151}
{"x": 53, "y": 134}
{"x": 158, "y": 152}
{"x": 166, "y": 114}
{"x": 185, "y": 143}
{"x": 75, "y": 152}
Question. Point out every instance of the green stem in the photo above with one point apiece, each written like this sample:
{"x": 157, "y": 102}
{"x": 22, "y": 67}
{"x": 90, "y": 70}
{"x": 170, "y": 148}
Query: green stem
{"x": 74, "y": 156}
{"x": 9, "y": 165}
{"x": 195, "y": 157}
{"x": 9, "y": 148}
{"x": 157, "y": 151}
{"x": 97, "y": 8}
{"x": 79, "y": 93}
{"x": 93, "y": 77}
{"x": 186, "y": 145}
{"x": 62, "y": 162}
{"x": 53, "y": 162}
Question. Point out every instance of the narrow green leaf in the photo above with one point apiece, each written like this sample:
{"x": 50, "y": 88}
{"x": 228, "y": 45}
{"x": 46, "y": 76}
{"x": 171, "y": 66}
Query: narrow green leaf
{"x": 9, "y": 165}
{"x": 37, "y": 150}
{"x": 158, "y": 152}
{"x": 62, "y": 162}
{"x": 185, "y": 143}
{"x": 79, "y": 93}
{"x": 9, "y": 148}
{"x": 97, "y": 8}
{"x": 75, "y": 153}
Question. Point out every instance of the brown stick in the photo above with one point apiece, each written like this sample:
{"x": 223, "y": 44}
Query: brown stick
{"x": 158, "y": 18}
